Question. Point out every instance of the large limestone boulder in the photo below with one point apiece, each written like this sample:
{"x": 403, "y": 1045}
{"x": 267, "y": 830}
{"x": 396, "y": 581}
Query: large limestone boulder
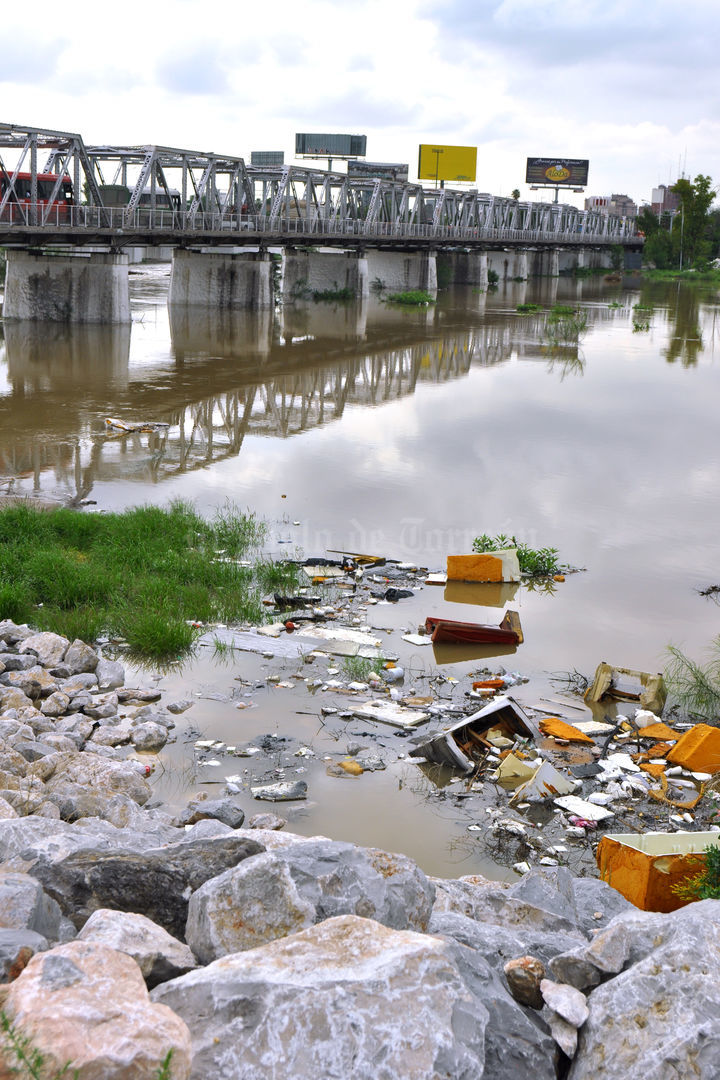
{"x": 283, "y": 891}
{"x": 158, "y": 954}
{"x": 100, "y": 775}
{"x": 86, "y": 1004}
{"x": 48, "y": 647}
{"x": 346, "y": 998}
{"x": 156, "y": 882}
{"x": 657, "y": 1018}
{"x": 25, "y": 906}
{"x": 80, "y": 658}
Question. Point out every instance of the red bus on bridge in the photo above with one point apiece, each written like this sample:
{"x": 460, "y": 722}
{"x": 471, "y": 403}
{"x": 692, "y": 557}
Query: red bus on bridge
{"x": 21, "y": 195}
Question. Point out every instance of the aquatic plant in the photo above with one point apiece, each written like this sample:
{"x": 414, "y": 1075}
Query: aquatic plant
{"x": 413, "y": 298}
{"x": 527, "y": 308}
{"x": 534, "y": 562}
{"x": 705, "y": 885}
{"x": 695, "y": 688}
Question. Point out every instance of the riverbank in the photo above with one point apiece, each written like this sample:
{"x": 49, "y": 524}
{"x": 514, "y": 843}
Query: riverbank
{"x": 145, "y": 944}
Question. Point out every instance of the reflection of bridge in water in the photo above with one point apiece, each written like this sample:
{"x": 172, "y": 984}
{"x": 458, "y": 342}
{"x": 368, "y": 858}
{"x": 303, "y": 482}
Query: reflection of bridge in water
{"x": 265, "y": 377}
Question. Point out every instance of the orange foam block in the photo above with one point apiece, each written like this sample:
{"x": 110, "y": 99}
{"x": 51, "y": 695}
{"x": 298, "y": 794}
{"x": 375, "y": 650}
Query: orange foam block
{"x": 698, "y": 749}
{"x": 551, "y": 725}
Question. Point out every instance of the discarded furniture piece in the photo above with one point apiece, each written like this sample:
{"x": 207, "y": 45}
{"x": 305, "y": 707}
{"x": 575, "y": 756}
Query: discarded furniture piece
{"x": 124, "y": 427}
{"x": 624, "y": 684}
{"x": 463, "y": 744}
{"x": 546, "y": 782}
{"x": 698, "y": 749}
{"x": 484, "y": 566}
{"x": 448, "y": 631}
{"x": 645, "y": 866}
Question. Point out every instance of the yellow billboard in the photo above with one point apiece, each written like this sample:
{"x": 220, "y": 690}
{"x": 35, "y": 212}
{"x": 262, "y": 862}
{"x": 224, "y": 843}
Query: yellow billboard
{"x": 439, "y": 162}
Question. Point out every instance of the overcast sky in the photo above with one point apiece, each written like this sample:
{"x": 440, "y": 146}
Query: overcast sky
{"x": 631, "y": 85}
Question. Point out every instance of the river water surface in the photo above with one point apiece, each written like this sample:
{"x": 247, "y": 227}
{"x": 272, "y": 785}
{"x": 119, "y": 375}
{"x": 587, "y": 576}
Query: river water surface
{"x": 404, "y": 433}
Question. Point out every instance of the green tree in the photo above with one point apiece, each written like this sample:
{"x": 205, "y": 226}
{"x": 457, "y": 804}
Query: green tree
{"x": 648, "y": 222}
{"x": 659, "y": 249}
{"x": 515, "y": 194}
{"x": 691, "y": 224}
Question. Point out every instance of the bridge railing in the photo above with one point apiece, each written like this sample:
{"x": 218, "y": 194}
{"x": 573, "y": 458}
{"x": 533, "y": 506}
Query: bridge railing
{"x": 117, "y": 221}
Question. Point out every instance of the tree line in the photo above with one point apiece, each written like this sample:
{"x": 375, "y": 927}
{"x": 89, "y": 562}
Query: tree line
{"x": 688, "y": 237}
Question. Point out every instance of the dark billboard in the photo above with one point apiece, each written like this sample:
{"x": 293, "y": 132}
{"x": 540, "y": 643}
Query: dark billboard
{"x": 570, "y": 172}
{"x": 315, "y": 145}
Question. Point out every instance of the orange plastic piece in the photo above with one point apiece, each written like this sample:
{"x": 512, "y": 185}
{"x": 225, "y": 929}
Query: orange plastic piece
{"x": 551, "y": 725}
{"x": 658, "y": 731}
{"x": 698, "y": 749}
{"x": 654, "y": 770}
{"x": 646, "y": 880}
{"x": 558, "y": 577}
{"x": 480, "y": 567}
{"x": 489, "y": 684}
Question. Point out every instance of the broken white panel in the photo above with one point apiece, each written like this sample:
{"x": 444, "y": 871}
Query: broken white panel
{"x": 340, "y": 633}
{"x": 582, "y": 808}
{"x": 418, "y": 639}
{"x": 387, "y": 712}
{"x": 288, "y": 645}
{"x": 543, "y": 784}
{"x": 592, "y": 727}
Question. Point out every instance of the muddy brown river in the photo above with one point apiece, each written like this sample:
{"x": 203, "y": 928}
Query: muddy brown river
{"x": 403, "y": 433}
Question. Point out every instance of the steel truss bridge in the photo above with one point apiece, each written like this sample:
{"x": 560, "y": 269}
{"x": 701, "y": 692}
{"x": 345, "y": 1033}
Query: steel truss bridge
{"x": 184, "y": 197}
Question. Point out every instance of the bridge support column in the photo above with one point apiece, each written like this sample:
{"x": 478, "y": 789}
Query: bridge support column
{"x": 471, "y": 268}
{"x": 307, "y": 272}
{"x": 78, "y": 288}
{"x": 220, "y": 279}
{"x": 402, "y": 271}
{"x": 519, "y": 266}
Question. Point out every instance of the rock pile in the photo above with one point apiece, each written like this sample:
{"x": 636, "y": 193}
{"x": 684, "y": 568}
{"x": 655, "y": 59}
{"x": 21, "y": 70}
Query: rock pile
{"x": 134, "y": 944}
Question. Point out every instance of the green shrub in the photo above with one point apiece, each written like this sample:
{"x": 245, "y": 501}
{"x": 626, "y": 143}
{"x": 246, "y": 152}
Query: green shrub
{"x": 534, "y": 562}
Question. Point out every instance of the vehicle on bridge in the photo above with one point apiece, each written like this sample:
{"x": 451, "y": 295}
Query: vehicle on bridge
{"x": 58, "y": 198}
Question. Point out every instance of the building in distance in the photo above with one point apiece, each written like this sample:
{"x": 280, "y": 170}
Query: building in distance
{"x": 664, "y": 199}
{"x": 619, "y": 205}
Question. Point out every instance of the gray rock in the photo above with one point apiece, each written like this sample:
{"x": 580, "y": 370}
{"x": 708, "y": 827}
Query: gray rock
{"x": 56, "y": 704}
{"x": 10, "y": 698}
{"x": 48, "y": 647}
{"x": 135, "y": 696}
{"x": 498, "y": 944}
{"x": 285, "y": 791}
{"x": 473, "y": 896}
{"x": 266, "y": 821}
{"x": 27, "y": 842}
{"x": 595, "y": 898}
{"x": 657, "y": 1018}
{"x": 101, "y": 776}
{"x": 6, "y": 810}
{"x": 24, "y": 681}
{"x": 154, "y": 882}
{"x": 25, "y": 906}
{"x": 57, "y": 741}
{"x": 110, "y": 674}
{"x": 11, "y": 632}
{"x": 566, "y": 1001}
{"x": 287, "y": 890}
{"x": 149, "y": 737}
{"x": 159, "y": 955}
{"x": 17, "y": 948}
{"x": 564, "y": 1033}
{"x": 33, "y": 751}
{"x": 227, "y": 810}
{"x": 180, "y": 706}
{"x": 75, "y": 683}
{"x": 347, "y": 998}
{"x": 115, "y": 734}
{"x": 18, "y": 661}
{"x": 80, "y": 658}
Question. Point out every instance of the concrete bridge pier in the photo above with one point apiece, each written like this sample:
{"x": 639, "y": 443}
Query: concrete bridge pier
{"x": 469, "y": 268}
{"x": 218, "y": 279}
{"x": 82, "y": 287}
{"x": 403, "y": 271}
{"x": 307, "y": 272}
{"x": 518, "y": 264}
{"x": 545, "y": 262}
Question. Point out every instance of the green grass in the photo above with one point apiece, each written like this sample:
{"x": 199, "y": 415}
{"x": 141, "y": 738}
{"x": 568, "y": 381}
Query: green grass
{"x": 143, "y": 576}
{"x": 638, "y": 326}
{"x": 562, "y": 309}
{"x": 527, "y": 308}
{"x": 695, "y": 687}
{"x": 534, "y": 562}
{"x": 691, "y": 275}
{"x": 411, "y": 298}
{"x": 705, "y": 885}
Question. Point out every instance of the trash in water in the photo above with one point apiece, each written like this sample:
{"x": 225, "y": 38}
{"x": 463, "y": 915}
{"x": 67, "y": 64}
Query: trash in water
{"x": 698, "y": 749}
{"x": 500, "y": 565}
{"x": 480, "y": 593}
{"x": 644, "y": 867}
{"x": 126, "y": 427}
{"x": 388, "y": 712}
{"x": 461, "y": 744}
{"x": 546, "y": 782}
{"x": 551, "y": 725}
{"x": 624, "y": 684}
{"x": 449, "y": 631}
{"x": 582, "y": 808}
